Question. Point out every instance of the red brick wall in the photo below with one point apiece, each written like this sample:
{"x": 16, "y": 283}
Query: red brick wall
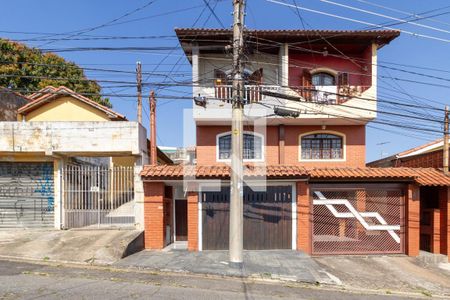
{"x": 428, "y": 160}
{"x": 444, "y": 204}
{"x": 412, "y": 242}
{"x": 355, "y": 145}
{"x": 303, "y": 217}
{"x": 192, "y": 202}
{"x": 153, "y": 215}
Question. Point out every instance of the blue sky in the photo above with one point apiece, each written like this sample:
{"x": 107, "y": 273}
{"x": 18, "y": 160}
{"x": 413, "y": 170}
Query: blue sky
{"x": 160, "y": 18}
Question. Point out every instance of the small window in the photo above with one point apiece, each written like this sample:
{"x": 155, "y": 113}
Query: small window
{"x": 321, "y": 146}
{"x": 320, "y": 79}
{"x": 252, "y": 147}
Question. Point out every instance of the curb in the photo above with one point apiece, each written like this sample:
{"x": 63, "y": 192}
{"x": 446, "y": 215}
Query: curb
{"x": 276, "y": 279}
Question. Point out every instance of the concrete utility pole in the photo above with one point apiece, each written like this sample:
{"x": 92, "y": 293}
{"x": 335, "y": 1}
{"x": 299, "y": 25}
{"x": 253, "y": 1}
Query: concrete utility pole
{"x": 237, "y": 189}
{"x": 139, "y": 90}
{"x": 153, "y": 151}
{"x": 446, "y": 137}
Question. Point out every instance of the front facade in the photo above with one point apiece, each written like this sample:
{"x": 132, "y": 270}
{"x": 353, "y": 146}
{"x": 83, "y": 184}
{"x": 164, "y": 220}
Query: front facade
{"x": 306, "y": 184}
{"x": 67, "y": 161}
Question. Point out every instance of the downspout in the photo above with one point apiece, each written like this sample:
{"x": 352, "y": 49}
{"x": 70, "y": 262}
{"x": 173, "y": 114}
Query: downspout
{"x": 153, "y": 151}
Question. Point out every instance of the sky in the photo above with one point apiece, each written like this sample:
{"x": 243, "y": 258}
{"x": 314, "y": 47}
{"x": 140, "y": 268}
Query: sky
{"x": 417, "y": 62}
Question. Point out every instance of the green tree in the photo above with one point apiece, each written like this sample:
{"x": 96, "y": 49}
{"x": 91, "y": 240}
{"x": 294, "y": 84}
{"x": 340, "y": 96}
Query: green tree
{"x": 28, "y": 69}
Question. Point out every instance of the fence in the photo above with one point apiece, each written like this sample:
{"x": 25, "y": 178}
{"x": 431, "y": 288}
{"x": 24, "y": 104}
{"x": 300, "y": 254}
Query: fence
{"x": 97, "y": 196}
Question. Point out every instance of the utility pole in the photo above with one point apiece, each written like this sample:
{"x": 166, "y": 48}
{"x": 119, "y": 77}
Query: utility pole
{"x": 446, "y": 137}
{"x": 153, "y": 151}
{"x": 237, "y": 189}
{"x": 139, "y": 91}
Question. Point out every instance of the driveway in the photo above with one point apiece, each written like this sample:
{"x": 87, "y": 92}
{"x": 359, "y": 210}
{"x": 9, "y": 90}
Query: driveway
{"x": 389, "y": 273}
{"x": 270, "y": 264}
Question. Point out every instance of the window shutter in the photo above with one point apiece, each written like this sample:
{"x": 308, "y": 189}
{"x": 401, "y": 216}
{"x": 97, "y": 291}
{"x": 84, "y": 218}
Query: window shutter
{"x": 256, "y": 77}
{"x": 306, "y": 85}
{"x": 342, "y": 83}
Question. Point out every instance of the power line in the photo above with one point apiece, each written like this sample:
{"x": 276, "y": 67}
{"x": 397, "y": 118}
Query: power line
{"x": 383, "y": 15}
{"x": 362, "y": 22}
{"x": 82, "y": 31}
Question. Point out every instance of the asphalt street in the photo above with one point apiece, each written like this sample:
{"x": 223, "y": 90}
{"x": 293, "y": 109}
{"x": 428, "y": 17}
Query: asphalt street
{"x": 25, "y": 280}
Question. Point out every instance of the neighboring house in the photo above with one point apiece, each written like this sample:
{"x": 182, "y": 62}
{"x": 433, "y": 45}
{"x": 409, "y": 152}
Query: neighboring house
{"x": 306, "y": 184}
{"x": 10, "y": 102}
{"x": 429, "y": 155}
{"x": 70, "y": 162}
{"x": 432, "y": 210}
{"x": 180, "y": 155}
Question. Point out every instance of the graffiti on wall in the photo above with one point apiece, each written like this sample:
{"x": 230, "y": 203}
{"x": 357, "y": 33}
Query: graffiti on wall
{"x": 26, "y": 193}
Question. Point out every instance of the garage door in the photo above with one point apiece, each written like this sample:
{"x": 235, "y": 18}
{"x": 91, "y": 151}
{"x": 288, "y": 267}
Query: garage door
{"x": 26, "y": 195}
{"x": 267, "y": 219}
{"x": 361, "y": 219}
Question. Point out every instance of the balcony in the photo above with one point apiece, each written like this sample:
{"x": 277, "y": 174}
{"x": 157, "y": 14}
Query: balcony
{"x": 252, "y": 93}
{"x": 331, "y": 94}
{"x": 317, "y": 105}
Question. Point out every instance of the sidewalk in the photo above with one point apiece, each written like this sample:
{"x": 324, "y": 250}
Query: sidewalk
{"x": 74, "y": 245}
{"x": 382, "y": 274}
{"x": 268, "y": 264}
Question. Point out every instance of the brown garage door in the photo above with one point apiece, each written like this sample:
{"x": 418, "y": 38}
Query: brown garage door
{"x": 358, "y": 219}
{"x": 267, "y": 219}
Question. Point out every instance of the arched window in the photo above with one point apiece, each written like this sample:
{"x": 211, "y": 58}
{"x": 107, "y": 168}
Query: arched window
{"x": 253, "y": 146}
{"x": 322, "y": 146}
{"x": 322, "y": 78}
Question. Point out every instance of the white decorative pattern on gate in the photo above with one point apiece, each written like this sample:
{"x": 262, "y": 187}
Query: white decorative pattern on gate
{"x": 353, "y": 213}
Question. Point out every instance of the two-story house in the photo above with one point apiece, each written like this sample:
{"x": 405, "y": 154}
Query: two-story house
{"x": 308, "y": 98}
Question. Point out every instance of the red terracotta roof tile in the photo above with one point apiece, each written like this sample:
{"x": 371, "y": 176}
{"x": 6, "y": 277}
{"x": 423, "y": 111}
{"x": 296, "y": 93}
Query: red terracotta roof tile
{"x": 422, "y": 176}
{"x": 50, "y": 92}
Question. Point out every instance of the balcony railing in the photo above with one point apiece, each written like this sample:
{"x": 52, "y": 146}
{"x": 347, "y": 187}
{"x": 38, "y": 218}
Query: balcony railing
{"x": 252, "y": 93}
{"x": 330, "y": 94}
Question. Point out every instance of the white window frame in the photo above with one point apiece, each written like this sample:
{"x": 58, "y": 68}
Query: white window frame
{"x": 263, "y": 147}
{"x": 344, "y": 146}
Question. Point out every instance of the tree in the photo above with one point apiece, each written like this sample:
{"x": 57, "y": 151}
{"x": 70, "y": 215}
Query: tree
{"x": 29, "y": 70}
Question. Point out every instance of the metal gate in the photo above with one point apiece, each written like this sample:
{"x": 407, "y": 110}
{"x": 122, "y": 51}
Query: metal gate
{"x": 365, "y": 219}
{"x": 98, "y": 196}
{"x": 26, "y": 194}
{"x": 267, "y": 219}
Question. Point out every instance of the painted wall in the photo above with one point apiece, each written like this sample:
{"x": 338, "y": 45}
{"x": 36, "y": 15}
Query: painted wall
{"x": 355, "y": 152}
{"x": 359, "y": 72}
{"x": 209, "y": 62}
{"x": 65, "y": 109}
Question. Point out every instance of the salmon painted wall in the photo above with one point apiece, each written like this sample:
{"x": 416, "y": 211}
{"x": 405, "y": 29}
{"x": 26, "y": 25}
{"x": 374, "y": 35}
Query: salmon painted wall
{"x": 355, "y": 140}
{"x": 359, "y": 71}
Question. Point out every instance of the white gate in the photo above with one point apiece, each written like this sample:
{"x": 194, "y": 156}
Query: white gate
{"x": 97, "y": 196}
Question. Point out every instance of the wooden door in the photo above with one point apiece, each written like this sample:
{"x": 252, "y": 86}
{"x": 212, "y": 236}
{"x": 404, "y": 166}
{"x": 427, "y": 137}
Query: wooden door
{"x": 267, "y": 219}
{"x": 181, "y": 220}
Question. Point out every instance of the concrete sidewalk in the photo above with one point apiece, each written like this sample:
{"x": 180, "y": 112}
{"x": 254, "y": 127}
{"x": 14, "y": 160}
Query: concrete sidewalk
{"x": 268, "y": 264}
{"x": 382, "y": 274}
{"x": 80, "y": 246}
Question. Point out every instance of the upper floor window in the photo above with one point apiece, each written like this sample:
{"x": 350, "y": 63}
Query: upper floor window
{"x": 322, "y": 78}
{"x": 322, "y": 146}
{"x": 253, "y": 146}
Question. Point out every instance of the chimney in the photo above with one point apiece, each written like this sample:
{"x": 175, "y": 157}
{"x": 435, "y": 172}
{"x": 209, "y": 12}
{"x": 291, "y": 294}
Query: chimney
{"x": 153, "y": 151}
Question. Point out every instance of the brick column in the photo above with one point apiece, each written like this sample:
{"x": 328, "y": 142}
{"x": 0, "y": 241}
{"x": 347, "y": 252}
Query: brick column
{"x": 444, "y": 205}
{"x": 192, "y": 220}
{"x": 412, "y": 243}
{"x": 304, "y": 211}
{"x": 154, "y": 215}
